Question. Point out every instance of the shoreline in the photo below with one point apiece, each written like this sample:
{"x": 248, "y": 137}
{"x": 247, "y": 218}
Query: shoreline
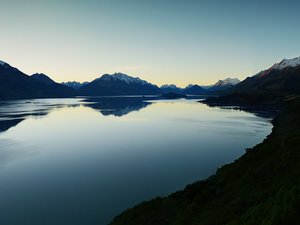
{"x": 227, "y": 197}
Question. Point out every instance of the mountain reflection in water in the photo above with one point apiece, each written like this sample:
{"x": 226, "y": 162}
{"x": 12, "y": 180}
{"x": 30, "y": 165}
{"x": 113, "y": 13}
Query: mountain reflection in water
{"x": 83, "y": 161}
{"x": 14, "y": 112}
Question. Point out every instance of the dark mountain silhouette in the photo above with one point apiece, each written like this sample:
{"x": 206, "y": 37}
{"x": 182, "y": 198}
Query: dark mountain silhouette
{"x": 14, "y": 84}
{"x": 195, "y": 90}
{"x": 170, "y": 88}
{"x": 43, "y": 78}
{"x": 281, "y": 79}
{"x": 281, "y": 82}
{"x": 225, "y": 84}
{"x": 74, "y": 84}
{"x": 267, "y": 87}
{"x": 53, "y": 88}
{"x": 118, "y": 84}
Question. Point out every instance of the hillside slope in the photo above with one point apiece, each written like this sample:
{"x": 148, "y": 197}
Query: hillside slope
{"x": 15, "y": 84}
{"x": 282, "y": 78}
{"x": 260, "y": 188}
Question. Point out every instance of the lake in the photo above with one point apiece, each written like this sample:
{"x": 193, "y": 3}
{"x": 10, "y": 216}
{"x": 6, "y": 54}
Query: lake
{"x": 69, "y": 162}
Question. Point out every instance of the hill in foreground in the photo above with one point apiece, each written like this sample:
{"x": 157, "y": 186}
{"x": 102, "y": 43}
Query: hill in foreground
{"x": 260, "y": 188}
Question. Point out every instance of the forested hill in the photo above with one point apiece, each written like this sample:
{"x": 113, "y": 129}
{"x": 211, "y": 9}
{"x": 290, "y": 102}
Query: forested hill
{"x": 260, "y": 188}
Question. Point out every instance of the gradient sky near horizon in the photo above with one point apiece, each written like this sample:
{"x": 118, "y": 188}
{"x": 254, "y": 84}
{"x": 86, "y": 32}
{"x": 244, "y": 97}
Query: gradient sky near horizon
{"x": 161, "y": 41}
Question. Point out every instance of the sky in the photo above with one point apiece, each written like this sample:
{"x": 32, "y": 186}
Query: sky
{"x": 161, "y": 41}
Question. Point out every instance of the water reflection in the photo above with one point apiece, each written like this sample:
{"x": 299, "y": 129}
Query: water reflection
{"x": 63, "y": 162}
{"x": 118, "y": 106}
{"x": 7, "y": 124}
{"x": 14, "y": 112}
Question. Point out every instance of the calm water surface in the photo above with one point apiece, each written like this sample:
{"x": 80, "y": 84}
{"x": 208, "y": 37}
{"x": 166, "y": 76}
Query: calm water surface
{"x": 65, "y": 162}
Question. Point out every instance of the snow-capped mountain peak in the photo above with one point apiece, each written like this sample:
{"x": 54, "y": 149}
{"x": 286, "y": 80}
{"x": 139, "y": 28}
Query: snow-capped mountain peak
{"x": 287, "y": 63}
{"x": 74, "y": 84}
{"x": 123, "y": 77}
{"x": 189, "y": 86}
{"x": 2, "y": 63}
{"x": 227, "y": 81}
{"x": 171, "y": 86}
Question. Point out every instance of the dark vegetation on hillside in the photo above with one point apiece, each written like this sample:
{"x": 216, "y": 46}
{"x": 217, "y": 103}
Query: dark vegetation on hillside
{"x": 260, "y": 188}
{"x": 272, "y": 81}
{"x": 246, "y": 99}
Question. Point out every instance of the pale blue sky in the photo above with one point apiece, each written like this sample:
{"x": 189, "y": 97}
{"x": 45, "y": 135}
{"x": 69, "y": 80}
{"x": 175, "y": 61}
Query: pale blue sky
{"x": 162, "y": 41}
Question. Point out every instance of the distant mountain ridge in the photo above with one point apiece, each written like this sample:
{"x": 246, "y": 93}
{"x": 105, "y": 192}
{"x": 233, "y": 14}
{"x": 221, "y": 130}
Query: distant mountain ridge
{"x": 285, "y": 63}
{"x": 43, "y": 78}
{"x": 166, "y": 88}
{"x": 74, "y": 84}
{"x": 2, "y": 63}
{"x": 107, "y": 84}
{"x": 268, "y": 87}
{"x": 118, "y": 84}
{"x": 122, "y": 77}
{"x": 194, "y": 89}
{"x": 227, "y": 81}
{"x": 224, "y": 84}
{"x": 15, "y": 84}
{"x": 282, "y": 77}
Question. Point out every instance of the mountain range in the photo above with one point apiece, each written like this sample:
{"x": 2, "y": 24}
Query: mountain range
{"x": 281, "y": 78}
{"x": 194, "y": 89}
{"x": 224, "y": 84}
{"x": 15, "y": 84}
{"x": 262, "y": 186}
{"x": 74, "y": 84}
{"x": 118, "y": 84}
{"x": 267, "y": 87}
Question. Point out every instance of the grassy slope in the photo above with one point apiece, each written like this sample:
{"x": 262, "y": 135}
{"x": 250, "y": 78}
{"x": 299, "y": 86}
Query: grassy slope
{"x": 260, "y": 188}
